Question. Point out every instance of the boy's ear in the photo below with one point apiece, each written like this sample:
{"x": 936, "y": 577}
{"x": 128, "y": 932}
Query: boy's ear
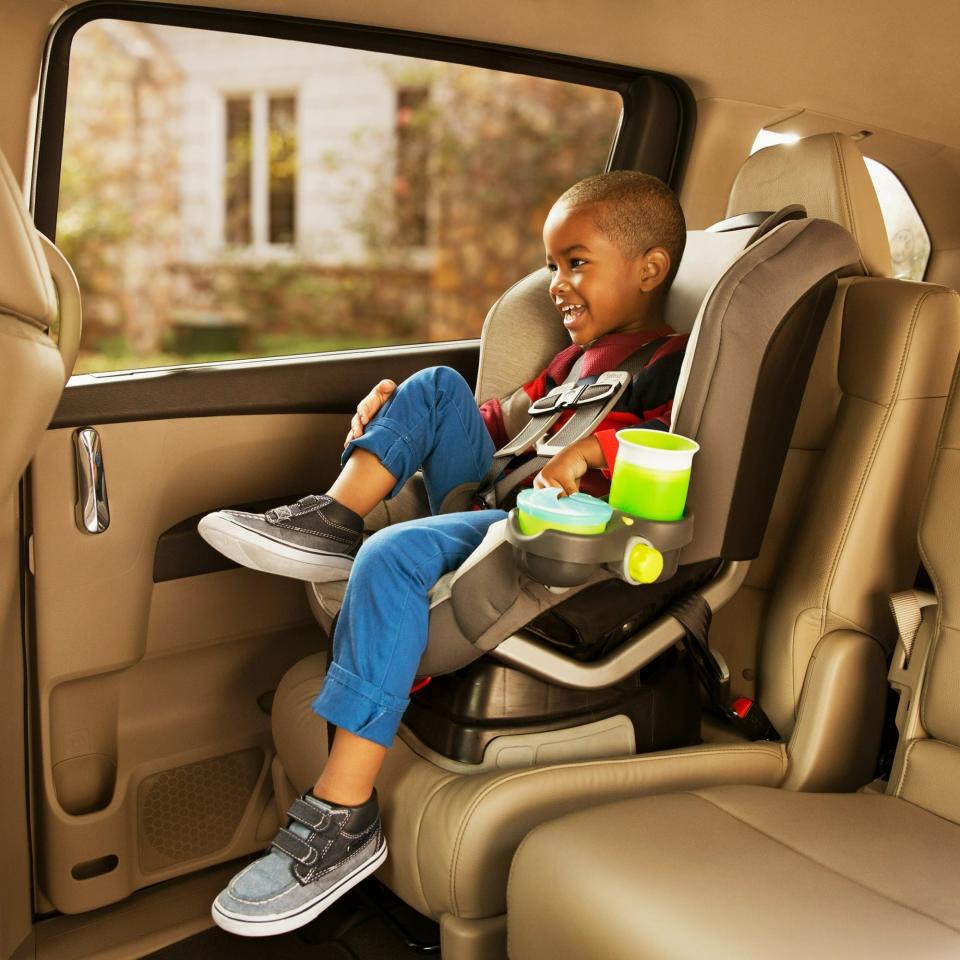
{"x": 654, "y": 268}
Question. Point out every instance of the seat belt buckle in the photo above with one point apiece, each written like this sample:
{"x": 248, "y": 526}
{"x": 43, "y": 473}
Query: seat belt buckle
{"x": 559, "y": 398}
{"x": 747, "y": 716}
{"x": 564, "y": 397}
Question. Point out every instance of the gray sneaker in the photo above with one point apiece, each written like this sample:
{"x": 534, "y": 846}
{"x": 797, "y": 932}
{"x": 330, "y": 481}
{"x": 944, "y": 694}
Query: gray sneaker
{"x": 314, "y": 539}
{"x": 322, "y": 853}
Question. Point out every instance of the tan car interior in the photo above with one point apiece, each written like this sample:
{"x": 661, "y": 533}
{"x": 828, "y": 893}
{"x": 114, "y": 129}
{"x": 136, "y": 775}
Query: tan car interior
{"x": 871, "y": 873}
{"x": 125, "y": 697}
{"x": 812, "y": 631}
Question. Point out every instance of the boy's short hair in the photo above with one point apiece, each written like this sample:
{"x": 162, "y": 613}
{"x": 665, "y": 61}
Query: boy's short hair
{"x": 636, "y": 211}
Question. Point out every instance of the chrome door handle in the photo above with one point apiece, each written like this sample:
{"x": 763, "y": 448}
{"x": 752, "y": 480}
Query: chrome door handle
{"x": 93, "y": 511}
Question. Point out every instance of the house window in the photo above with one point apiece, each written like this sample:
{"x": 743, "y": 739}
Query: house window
{"x": 260, "y": 170}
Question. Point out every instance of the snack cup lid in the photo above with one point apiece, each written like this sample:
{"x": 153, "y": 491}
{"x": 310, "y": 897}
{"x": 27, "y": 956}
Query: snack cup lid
{"x": 579, "y": 509}
{"x": 657, "y": 449}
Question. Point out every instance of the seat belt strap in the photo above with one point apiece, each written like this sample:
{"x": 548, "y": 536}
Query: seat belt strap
{"x": 591, "y": 403}
{"x": 542, "y": 417}
{"x": 694, "y": 615}
{"x": 906, "y": 607}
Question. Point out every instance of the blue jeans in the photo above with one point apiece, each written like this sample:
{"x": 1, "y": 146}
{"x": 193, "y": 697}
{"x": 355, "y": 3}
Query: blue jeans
{"x": 431, "y": 422}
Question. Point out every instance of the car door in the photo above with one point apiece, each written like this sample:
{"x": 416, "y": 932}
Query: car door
{"x": 229, "y": 189}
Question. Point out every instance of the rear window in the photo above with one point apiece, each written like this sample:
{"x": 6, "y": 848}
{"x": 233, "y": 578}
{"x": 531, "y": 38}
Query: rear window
{"x": 225, "y": 195}
{"x": 908, "y": 237}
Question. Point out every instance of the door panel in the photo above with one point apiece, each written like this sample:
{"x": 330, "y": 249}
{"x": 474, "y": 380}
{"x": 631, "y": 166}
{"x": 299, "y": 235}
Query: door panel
{"x": 152, "y": 697}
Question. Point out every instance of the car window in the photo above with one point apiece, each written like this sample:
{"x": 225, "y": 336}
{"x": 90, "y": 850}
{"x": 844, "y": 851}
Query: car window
{"x": 225, "y": 195}
{"x": 908, "y": 237}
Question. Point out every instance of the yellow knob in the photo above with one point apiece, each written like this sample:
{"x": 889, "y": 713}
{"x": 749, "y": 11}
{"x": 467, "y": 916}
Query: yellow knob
{"x": 645, "y": 563}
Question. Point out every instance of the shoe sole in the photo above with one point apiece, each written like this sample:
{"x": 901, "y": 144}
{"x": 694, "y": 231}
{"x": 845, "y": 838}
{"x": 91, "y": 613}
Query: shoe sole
{"x": 245, "y": 927}
{"x": 257, "y": 552}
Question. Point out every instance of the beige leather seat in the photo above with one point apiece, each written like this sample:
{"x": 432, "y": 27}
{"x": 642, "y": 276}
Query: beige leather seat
{"x": 31, "y": 369}
{"x": 748, "y": 872}
{"x": 806, "y": 630}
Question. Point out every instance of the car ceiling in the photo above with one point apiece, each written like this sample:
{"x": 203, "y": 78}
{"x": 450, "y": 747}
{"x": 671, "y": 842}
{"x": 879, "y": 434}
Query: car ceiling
{"x": 883, "y": 63}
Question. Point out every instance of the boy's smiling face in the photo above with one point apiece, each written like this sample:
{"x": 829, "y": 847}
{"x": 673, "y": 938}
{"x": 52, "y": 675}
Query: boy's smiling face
{"x": 597, "y": 288}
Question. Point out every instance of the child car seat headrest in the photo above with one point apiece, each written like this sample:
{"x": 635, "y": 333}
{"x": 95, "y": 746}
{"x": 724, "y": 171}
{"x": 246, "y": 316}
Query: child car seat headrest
{"x": 523, "y": 332}
{"x": 827, "y": 174}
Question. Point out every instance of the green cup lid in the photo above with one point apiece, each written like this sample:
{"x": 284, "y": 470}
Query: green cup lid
{"x": 579, "y": 509}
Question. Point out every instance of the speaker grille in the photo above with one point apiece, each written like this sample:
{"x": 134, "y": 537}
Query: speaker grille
{"x": 192, "y": 811}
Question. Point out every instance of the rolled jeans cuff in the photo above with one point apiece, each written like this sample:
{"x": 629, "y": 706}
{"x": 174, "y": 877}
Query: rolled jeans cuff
{"x": 359, "y": 706}
{"x": 387, "y": 441}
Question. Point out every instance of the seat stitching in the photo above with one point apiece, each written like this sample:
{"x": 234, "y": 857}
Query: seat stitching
{"x": 928, "y": 566}
{"x": 906, "y": 763}
{"x": 868, "y": 467}
{"x": 773, "y": 753}
{"x": 842, "y": 292}
{"x": 845, "y": 197}
{"x": 819, "y": 863}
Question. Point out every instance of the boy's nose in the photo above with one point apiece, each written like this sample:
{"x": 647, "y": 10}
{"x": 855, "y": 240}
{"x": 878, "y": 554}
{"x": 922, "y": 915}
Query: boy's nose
{"x": 558, "y": 283}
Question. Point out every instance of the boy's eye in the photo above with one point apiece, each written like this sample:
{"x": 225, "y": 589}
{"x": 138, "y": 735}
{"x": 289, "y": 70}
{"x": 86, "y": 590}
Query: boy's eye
{"x": 577, "y": 262}
{"x": 552, "y": 267}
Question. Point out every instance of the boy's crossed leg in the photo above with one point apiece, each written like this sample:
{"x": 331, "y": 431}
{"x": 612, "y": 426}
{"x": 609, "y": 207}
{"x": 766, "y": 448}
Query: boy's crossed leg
{"x": 430, "y": 421}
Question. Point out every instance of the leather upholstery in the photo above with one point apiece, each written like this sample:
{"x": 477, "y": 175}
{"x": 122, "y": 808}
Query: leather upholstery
{"x": 31, "y": 370}
{"x": 454, "y": 836}
{"x": 26, "y": 287}
{"x": 827, "y": 175}
{"x": 863, "y": 474}
{"x": 930, "y": 772}
{"x": 738, "y": 872}
{"x": 775, "y": 873}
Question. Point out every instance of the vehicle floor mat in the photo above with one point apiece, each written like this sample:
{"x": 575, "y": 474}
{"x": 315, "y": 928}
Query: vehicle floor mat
{"x": 368, "y": 923}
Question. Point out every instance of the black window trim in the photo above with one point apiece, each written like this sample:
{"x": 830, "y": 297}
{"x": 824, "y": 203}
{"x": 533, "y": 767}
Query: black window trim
{"x": 654, "y": 132}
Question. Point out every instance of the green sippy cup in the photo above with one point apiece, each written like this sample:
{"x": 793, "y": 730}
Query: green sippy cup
{"x": 652, "y": 473}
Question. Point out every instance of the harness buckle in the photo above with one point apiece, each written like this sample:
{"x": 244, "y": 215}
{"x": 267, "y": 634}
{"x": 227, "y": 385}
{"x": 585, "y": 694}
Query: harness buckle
{"x": 563, "y": 398}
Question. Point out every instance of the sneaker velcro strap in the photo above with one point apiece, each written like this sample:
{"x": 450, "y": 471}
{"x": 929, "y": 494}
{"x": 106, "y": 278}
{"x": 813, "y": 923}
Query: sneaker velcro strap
{"x": 295, "y": 847}
{"x": 304, "y": 505}
{"x": 307, "y": 814}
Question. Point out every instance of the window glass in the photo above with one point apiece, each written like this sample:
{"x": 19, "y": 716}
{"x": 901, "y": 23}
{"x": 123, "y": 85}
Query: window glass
{"x": 908, "y": 237}
{"x": 909, "y": 240}
{"x": 226, "y": 196}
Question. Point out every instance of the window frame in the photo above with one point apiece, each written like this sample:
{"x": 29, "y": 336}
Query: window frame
{"x": 653, "y": 135}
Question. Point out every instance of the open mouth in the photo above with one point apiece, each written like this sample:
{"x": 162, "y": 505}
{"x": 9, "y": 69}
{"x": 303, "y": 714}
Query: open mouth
{"x": 572, "y": 312}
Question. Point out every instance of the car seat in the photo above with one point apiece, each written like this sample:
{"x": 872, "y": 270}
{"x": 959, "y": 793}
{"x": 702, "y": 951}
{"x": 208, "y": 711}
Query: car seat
{"x": 877, "y": 388}
{"x": 32, "y": 300}
{"x": 754, "y": 872}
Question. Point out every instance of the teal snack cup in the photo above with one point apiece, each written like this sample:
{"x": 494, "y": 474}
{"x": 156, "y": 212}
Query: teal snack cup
{"x": 652, "y": 473}
{"x": 546, "y": 510}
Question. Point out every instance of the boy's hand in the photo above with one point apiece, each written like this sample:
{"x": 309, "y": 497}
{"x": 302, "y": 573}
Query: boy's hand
{"x": 367, "y": 408}
{"x": 566, "y": 468}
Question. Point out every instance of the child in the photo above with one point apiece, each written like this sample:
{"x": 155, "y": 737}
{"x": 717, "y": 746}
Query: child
{"x": 613, "y": 243}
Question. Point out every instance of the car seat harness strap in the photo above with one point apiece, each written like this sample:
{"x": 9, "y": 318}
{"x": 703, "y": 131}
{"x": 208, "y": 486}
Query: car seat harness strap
{"x": 590, "y": 403}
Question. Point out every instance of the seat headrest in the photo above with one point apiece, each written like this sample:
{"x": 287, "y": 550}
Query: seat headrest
{"x": 26, "y": 287}
{"x": 705, "y": 258}
{"x": 826, "y": 173}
